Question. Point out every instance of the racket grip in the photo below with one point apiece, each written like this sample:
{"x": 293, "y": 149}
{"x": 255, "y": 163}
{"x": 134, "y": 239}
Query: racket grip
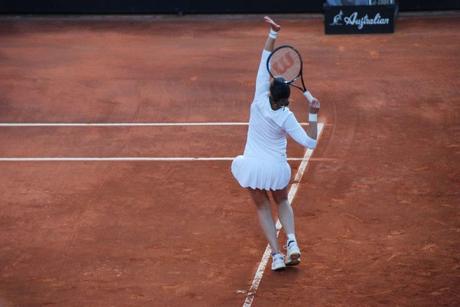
{"x": 308, "y": 95}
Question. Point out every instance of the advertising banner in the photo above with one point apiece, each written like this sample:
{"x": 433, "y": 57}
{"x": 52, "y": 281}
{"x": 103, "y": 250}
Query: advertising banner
{"x": 359, "y": 19}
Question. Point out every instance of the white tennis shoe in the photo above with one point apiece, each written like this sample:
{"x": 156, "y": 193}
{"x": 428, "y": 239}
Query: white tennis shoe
{"x": 293, "y": 253}
{"x": 278, "y": 262}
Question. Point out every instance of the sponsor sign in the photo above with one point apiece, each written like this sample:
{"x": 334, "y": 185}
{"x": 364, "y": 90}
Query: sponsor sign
{"x": 359, "y": 19}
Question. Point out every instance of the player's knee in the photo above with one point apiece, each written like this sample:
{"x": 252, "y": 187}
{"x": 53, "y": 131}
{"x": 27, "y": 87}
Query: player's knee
{"x": 259, "y": 196}
{"x": 280, "y": 196}
{"x": 281, "y": 201}
{"x": 262, "y": 205}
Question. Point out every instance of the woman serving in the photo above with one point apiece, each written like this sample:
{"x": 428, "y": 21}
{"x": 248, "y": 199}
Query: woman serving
{"x": 263, "y": 167}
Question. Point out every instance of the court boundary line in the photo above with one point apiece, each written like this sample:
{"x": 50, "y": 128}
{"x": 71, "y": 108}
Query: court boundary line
{"x": 121, "y": 124}
{"x": 132, "y": 159}
{"x": 266, "y": 255}
{"x": 139, "y": 159}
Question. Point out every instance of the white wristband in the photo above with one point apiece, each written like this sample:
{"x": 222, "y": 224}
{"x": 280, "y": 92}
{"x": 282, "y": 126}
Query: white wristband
{"x": 312, "y": 117}
{"x": 273, "y": 34}
{"x": 308, "y": 95}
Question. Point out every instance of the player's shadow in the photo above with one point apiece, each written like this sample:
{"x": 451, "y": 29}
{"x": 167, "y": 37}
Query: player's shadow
{"x": 289, "y": 272}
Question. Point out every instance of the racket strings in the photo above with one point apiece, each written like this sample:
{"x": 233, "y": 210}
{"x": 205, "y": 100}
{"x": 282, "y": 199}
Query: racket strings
{"x": 285, "y": 63}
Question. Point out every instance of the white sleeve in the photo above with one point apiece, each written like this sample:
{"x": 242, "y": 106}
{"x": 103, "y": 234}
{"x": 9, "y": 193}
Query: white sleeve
{"x": 263, "y": 77}
{"x": 295, "y": 131}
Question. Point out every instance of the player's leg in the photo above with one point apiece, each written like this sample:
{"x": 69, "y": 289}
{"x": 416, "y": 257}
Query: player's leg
{"x": 264, "y": 213}
{"x": 285, "y": 211}
{"x": 286, "y": 216}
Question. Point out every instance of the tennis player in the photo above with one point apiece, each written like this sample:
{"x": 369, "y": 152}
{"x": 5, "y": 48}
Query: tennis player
{"x": 263, "y": 167}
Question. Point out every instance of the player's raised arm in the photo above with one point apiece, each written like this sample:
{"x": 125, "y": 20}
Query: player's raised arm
{"x": 274, "y": 29}
{"x": 263, "y": 77}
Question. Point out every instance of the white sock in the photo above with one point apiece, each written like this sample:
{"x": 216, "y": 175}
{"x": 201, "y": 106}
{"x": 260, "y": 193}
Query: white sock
{"x": 291, "y": 237}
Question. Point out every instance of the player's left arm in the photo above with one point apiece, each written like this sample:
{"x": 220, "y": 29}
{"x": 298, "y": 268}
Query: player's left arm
{"x": 274, "y": 29}
{"x": 263, "y": 77}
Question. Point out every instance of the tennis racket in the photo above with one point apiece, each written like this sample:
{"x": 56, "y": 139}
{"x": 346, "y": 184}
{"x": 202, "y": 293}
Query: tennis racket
{"x": 285, "y": 61}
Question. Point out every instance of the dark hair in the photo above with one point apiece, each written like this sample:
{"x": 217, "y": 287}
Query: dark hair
{"x": 280, "y": 91}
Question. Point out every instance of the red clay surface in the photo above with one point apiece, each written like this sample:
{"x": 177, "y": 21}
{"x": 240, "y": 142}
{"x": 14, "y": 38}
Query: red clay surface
{"x": 379, "y": 224}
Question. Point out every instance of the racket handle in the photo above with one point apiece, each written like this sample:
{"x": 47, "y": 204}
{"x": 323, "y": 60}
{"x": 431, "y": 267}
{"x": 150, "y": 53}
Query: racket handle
{"x": 308, "y": 95}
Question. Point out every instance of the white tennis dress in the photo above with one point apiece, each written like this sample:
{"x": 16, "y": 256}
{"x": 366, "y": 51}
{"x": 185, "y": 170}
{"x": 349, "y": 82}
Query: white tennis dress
{"x": 263, "y": 164}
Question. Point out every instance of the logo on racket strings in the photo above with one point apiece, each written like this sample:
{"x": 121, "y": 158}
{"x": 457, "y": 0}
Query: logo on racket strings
{"x": 283, "y": 64}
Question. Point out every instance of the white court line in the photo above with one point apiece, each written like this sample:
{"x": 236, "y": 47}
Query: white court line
{"x": 121, "y": 159}
{"x": 266, "y": 256}
{"x": 133, "y": 159}
{"x": 125, "y": 124}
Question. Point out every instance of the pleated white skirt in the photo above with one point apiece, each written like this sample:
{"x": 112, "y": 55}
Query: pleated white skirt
{"x": 261, "y": 174}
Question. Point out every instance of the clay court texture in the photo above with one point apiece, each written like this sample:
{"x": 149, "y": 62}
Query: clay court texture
{"x": 377, "y": 208}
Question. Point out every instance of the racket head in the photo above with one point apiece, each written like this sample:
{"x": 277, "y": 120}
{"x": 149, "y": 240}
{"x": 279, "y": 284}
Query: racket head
{"x": 285, "y": 61}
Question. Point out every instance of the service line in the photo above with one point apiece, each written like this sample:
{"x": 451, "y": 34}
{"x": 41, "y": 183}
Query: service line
{"x": 125, "y": 124}
{"x": 120, "y": 159}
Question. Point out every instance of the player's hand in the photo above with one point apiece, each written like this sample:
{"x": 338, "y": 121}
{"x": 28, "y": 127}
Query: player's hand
{"x": 314, "y": 106}
{"x": 275, "y": 27}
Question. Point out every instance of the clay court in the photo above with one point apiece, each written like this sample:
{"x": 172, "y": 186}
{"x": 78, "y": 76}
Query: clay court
{"x": 140, "y": 207}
